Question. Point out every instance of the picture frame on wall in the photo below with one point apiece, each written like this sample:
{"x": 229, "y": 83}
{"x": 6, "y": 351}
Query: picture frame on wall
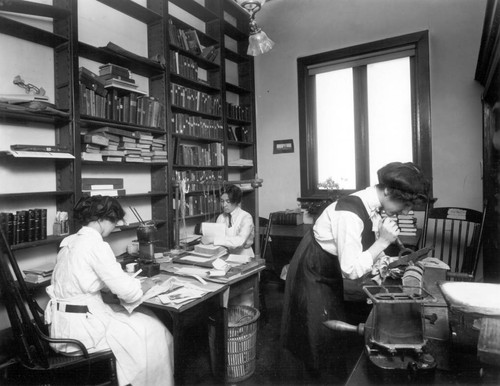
{"x": 283, "y": 146}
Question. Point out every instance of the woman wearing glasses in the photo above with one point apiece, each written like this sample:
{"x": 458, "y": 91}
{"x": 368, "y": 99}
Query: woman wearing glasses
{"x": 85, "y": 265}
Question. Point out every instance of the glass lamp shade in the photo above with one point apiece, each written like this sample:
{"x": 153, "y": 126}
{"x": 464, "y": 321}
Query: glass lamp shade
{"x": 259, "y": 43}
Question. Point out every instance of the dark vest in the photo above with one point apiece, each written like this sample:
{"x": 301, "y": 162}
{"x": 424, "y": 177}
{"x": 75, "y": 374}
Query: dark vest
{"x": 355, "y": 205}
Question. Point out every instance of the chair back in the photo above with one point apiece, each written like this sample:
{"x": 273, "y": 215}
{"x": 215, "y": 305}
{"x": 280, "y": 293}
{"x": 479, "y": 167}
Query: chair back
{"x": 264, "y": 236}
{"x": 456, "y": 235}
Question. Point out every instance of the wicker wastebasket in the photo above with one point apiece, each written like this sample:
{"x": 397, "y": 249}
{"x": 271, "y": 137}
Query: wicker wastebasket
{"x": 241, "y": 343}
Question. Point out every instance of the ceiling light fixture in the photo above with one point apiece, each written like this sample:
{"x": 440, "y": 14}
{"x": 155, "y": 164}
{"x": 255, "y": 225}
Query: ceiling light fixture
{"x": 258, "y": 41}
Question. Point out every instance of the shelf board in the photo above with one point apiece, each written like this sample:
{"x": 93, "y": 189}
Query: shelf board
{"x": 202, "y": 62}
{"x": 239, "y": 122}
{"x": 138, "y": 65}
{"x": 123, "y": 163}
{"x": 240, "y": 143}
{"x": 34, "y": 9}
{"x": 95, "y": 122}
{"x": 197, "y": 10}
{"x": 49, "y": 240}
{"x": 197, "y": 139}
{"x": 194, "y": 112}
{"x": 37, "y": 194}
{"x": 194, "y": 167}
{"x": 234, "y": 33}
{"x": 139, "y": 195}
{"x": 235, "y": 57}
{"x": 134, "y": 10}
{"x": 20, "y": 116}
{"x": 191, "y": 83}
{"x": 237, "y": 89}
{"x": 29, "y": 33}
{"x": 240, "y": 167}
{"x": 205, "y": 39}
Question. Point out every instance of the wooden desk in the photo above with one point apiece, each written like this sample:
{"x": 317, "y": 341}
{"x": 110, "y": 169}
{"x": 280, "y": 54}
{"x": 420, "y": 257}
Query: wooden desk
{"x": 213, "y": 304}
{"x": 286, "y": 239}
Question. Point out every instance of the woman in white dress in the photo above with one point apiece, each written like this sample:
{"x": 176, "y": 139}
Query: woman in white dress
{"x": 85, "y": 265}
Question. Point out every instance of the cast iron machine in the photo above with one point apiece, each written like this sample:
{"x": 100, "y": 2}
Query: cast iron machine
{"x": 147, "y": 236}
{"x": 394, "y": 331}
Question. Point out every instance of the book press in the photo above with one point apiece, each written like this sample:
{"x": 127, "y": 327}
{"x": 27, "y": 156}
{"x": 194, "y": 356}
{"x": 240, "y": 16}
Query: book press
{"x": 147, "y": 236}
{"x": 425, "y": 325}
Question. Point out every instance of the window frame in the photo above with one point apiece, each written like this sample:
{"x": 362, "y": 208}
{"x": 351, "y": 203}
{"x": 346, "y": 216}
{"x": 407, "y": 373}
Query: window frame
{"x": 421, "y": 118}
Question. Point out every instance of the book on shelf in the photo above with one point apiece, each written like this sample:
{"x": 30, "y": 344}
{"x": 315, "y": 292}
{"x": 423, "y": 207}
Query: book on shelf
{"x": 112, "y": 158}
{"x": 96, "y": 139}
{"x": 37, "y": 154}
{"x": 113, "y": 69}
{"x": 115, "y": 131}
{"x": 24, "y": 225}
{"x": 47, "y": 148}
{"x": 22, "y": 98}
{"x": 209, "y": 53}
{"x": 105, "y": 192}
{"x": 45, "y": 269}
{"x": 116, "y": 49}
{"x": 36, "y": 279}
{"x": 193, "y": 42}
{"x": 122, "y": 85}
{"x": 91, "y": 81}
{"x": 91, "y": 156}
{"x": 89, "y": 183}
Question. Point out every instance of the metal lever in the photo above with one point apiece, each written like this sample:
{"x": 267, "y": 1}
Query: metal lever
{"x": 338, "y": 325}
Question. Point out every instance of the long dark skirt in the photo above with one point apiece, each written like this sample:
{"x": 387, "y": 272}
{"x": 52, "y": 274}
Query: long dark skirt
{"x": 313, "y": 294}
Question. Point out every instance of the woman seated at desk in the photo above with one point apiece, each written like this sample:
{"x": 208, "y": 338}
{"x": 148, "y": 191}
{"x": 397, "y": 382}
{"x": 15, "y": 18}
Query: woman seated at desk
{"x": 85, "y": 264}
{"x": 346, "y": 241}
{"x": 239, "y": 227}
{"x": 239, "y": 234}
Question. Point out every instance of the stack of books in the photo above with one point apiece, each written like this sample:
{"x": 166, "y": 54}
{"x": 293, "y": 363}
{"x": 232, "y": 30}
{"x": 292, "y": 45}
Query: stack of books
{"x": 103, "y": 186}
{"x": 407, "y": 224}
{"x": 209, "y": 251}
{"x": 117, "y": 145}
{"x": 39, "y": 274}
{"x": 117, "y": 76}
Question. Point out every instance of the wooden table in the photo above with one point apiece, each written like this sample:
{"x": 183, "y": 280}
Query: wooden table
{"x": 212, "y": 304}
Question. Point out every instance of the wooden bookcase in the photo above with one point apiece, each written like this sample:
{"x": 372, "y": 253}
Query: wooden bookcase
{"x": 227, "y": 80}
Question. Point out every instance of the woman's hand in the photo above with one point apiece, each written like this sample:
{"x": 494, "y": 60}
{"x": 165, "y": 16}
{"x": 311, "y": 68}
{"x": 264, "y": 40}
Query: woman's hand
{"x": 388, "y": 230}
{"x": 147, "y": 284}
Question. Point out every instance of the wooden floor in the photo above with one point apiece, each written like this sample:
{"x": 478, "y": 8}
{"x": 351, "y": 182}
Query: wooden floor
{"x": 271, "y": 366}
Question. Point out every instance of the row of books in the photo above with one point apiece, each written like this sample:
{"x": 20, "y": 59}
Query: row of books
{"x": 407, "y": 224}
{"x": 187, "y": 39}
{"x": 210, "y": 154}
{"x": 94, "y": 186}
{"x": 240, "y": 112}
{"x": 118, "y": 145}
{"x": 183, "y": 66}
{"x": 200, "y": 180}
{"x": 24, "y": 226}
{"x": 197, "y": 126}
{"x": 131, "y": 108}
{"x": 197, "y": 205}
{"x": 239, "y": 133}
{"x": 288, "y": 217}
{"x": 195, "y": 100}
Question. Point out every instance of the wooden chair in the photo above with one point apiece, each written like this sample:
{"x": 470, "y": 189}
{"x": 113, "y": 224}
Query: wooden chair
{"x": 456, "y": 235}
{"x": 40, "y": 364}
{"x": 264, "y": 241}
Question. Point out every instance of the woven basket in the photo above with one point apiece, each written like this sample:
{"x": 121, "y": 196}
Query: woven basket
{"x": 241, "y": 343}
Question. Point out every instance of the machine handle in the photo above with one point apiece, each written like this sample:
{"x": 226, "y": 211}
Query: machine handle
{"x": 338, "y": 325}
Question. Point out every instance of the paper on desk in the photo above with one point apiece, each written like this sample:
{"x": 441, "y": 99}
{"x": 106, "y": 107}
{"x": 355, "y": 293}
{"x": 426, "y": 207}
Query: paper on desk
{"x": 238, "y": 259}
{"x": 212, "y": 229}
{"x": 161, "y": 287}
{"x": 182, "y": 295}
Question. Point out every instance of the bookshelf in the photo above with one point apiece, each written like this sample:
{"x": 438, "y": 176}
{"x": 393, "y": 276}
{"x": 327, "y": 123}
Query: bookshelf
{"x": 203, "y": 85}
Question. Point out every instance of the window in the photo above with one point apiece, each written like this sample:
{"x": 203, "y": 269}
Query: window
{"x": 360, "y": 108}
